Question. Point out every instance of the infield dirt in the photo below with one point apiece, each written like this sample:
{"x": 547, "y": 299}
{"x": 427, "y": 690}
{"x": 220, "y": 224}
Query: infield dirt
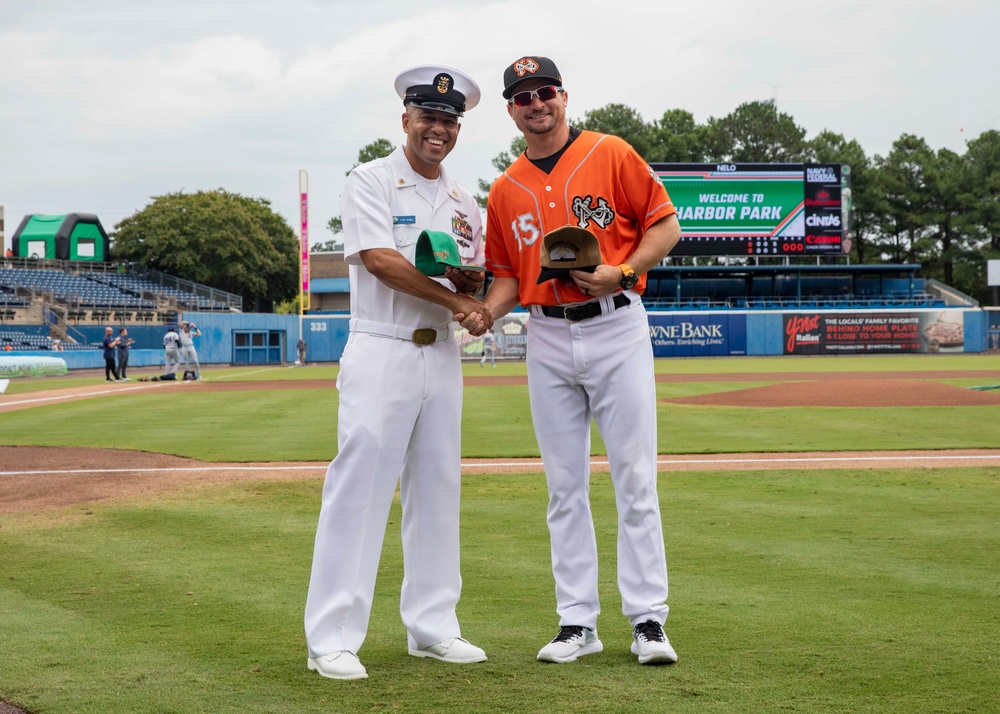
{"x": 42, "y": 478}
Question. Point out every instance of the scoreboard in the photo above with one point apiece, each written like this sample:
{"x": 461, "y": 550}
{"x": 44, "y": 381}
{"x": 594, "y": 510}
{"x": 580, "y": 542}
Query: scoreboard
{"x": 773, "y": 210}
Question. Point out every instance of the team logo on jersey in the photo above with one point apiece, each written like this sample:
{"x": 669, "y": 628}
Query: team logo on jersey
{"x": 601, "y": 214}
{"x": 460, "y": 225}
{"x": 652, "y": 173}
{"x": 525, "y": 65}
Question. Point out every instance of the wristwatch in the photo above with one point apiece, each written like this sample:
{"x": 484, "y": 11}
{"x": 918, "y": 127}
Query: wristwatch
{"x": 629, "y": 278}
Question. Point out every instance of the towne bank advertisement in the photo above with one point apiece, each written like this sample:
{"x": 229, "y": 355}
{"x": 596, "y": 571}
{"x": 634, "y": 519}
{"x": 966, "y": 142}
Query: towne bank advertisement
{"x": 693, "y": 335}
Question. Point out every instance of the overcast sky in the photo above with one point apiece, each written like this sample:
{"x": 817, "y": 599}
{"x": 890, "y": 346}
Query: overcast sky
{"x": 105, "y": 104}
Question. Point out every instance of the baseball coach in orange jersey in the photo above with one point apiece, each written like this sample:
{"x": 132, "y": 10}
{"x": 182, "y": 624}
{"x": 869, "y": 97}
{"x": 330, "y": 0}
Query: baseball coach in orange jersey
{"x": 589, "y": 353}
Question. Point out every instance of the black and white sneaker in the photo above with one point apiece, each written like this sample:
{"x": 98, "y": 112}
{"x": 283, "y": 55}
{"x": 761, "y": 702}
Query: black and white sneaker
{"x": 572, "y": 641}
{"x": 651, "y": 644}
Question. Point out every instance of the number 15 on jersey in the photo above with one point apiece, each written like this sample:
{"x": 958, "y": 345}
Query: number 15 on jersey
{"x": 525, "y": 230}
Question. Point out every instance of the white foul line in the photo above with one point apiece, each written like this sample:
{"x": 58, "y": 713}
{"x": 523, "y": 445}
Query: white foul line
{"x": 113, "y": 390}
{"x": 822, "y": 459}
{"x": 161, "y": 470}
{"x": 535, "y": 465}
{"x": 804, "y": 459}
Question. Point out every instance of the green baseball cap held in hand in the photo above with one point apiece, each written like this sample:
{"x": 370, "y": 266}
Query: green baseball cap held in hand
{"x": 436, "y": 251}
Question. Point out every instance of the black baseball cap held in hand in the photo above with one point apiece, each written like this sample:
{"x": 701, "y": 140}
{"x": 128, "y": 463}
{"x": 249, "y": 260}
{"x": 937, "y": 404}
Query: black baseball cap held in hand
{"x": 568, "y": 248}
{"x": 527, "y": 68}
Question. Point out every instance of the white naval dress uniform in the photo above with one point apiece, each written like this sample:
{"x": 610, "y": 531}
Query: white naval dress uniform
{"x": 399, "y": 421}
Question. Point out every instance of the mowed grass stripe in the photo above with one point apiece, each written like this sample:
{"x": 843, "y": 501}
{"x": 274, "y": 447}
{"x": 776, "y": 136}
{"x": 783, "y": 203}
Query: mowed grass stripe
{"x": 283, "y": 426}
{"x": 828, "y": 591}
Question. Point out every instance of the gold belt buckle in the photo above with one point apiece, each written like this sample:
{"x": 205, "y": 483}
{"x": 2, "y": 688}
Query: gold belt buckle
{"x": 425, "y": 336}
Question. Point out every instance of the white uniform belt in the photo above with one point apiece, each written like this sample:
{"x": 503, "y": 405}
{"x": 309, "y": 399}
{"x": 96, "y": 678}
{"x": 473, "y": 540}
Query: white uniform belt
{"x": 419, "y": 335}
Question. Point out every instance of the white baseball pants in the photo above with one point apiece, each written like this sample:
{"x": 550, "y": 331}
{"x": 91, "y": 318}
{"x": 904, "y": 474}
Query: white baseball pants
{"x": 399, "y": 421}
{"x": 601, "y": 368}
{"x": 190, "y": 357}
{"x": 172, "y": 360}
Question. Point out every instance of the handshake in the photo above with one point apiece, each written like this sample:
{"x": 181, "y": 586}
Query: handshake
{"x": 473, "y": 315}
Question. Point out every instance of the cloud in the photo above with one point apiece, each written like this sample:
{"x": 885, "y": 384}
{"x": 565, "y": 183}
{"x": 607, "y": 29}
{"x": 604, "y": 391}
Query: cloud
{"x": 109, "y": 102}
{"x": 163, "y": 88}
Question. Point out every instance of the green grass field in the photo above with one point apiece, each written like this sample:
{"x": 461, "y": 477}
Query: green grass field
{"x": 814, "y": 591}
{"x": 283, "y": 425}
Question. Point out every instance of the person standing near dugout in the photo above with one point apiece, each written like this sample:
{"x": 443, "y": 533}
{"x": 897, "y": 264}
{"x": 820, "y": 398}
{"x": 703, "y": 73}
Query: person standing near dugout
{"x": 124, "y": 343}
{"x": 110, "y": 344}
{"x": 400, "y": 383}
{"x": 589, "y": 352}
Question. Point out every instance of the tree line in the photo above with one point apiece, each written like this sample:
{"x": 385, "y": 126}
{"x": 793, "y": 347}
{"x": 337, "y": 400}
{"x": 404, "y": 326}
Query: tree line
{"x": 913, "y": 205}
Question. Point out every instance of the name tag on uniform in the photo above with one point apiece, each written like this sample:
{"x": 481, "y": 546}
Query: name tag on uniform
{"x": 404, "y": 220}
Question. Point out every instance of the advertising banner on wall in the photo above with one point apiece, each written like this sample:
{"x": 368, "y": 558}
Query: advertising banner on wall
{"x": 680, "y": 335}
{"x": 510, "y": 339}
{"x": 698, "y": 334}
{"x": 873, "y": 332}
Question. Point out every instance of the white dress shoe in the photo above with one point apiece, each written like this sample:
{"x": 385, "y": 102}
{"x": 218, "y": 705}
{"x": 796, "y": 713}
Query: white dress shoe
{"x": 454, "y": 649}
{"x": 339, "y": 665}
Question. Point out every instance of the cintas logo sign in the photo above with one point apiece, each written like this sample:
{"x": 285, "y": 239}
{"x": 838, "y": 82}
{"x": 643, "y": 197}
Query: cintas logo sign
{"x": 826, "y": 221}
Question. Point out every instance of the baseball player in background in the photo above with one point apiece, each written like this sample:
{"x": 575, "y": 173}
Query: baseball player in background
{"x": 171, "y": 350}
{"x": 188, "y": 353}
{"x": 589, "y": 352}
{"x": 489, "y": 349}
{"x": 400, "y": 384}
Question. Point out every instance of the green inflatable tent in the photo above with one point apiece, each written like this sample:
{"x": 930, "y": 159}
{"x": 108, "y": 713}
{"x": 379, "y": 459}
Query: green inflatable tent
{"x": 74, "y": 236}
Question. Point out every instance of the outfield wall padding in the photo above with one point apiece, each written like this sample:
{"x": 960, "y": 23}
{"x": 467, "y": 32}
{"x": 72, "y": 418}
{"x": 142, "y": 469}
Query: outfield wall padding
{"x": 31, "y": 366}
{"x": 694, "y": 333}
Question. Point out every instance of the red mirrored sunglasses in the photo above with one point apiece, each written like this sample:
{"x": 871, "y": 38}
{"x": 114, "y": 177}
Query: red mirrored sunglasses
{"x": 523, "y": 99}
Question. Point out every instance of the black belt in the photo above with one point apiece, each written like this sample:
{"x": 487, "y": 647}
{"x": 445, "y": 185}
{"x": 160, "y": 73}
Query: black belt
{"x": 575, "y": 313}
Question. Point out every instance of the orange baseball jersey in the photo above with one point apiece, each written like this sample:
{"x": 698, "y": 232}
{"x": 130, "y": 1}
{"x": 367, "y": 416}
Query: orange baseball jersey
{"x": 600, "y": 184}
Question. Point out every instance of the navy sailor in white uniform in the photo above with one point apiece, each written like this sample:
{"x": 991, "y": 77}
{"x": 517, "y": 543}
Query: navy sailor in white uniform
{"x": 400, "y": 385}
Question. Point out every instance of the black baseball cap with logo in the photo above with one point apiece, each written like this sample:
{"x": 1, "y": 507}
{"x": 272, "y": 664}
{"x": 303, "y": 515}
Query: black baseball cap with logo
{"x": 531, "y": 67}
{"x": 568, "y": 248}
